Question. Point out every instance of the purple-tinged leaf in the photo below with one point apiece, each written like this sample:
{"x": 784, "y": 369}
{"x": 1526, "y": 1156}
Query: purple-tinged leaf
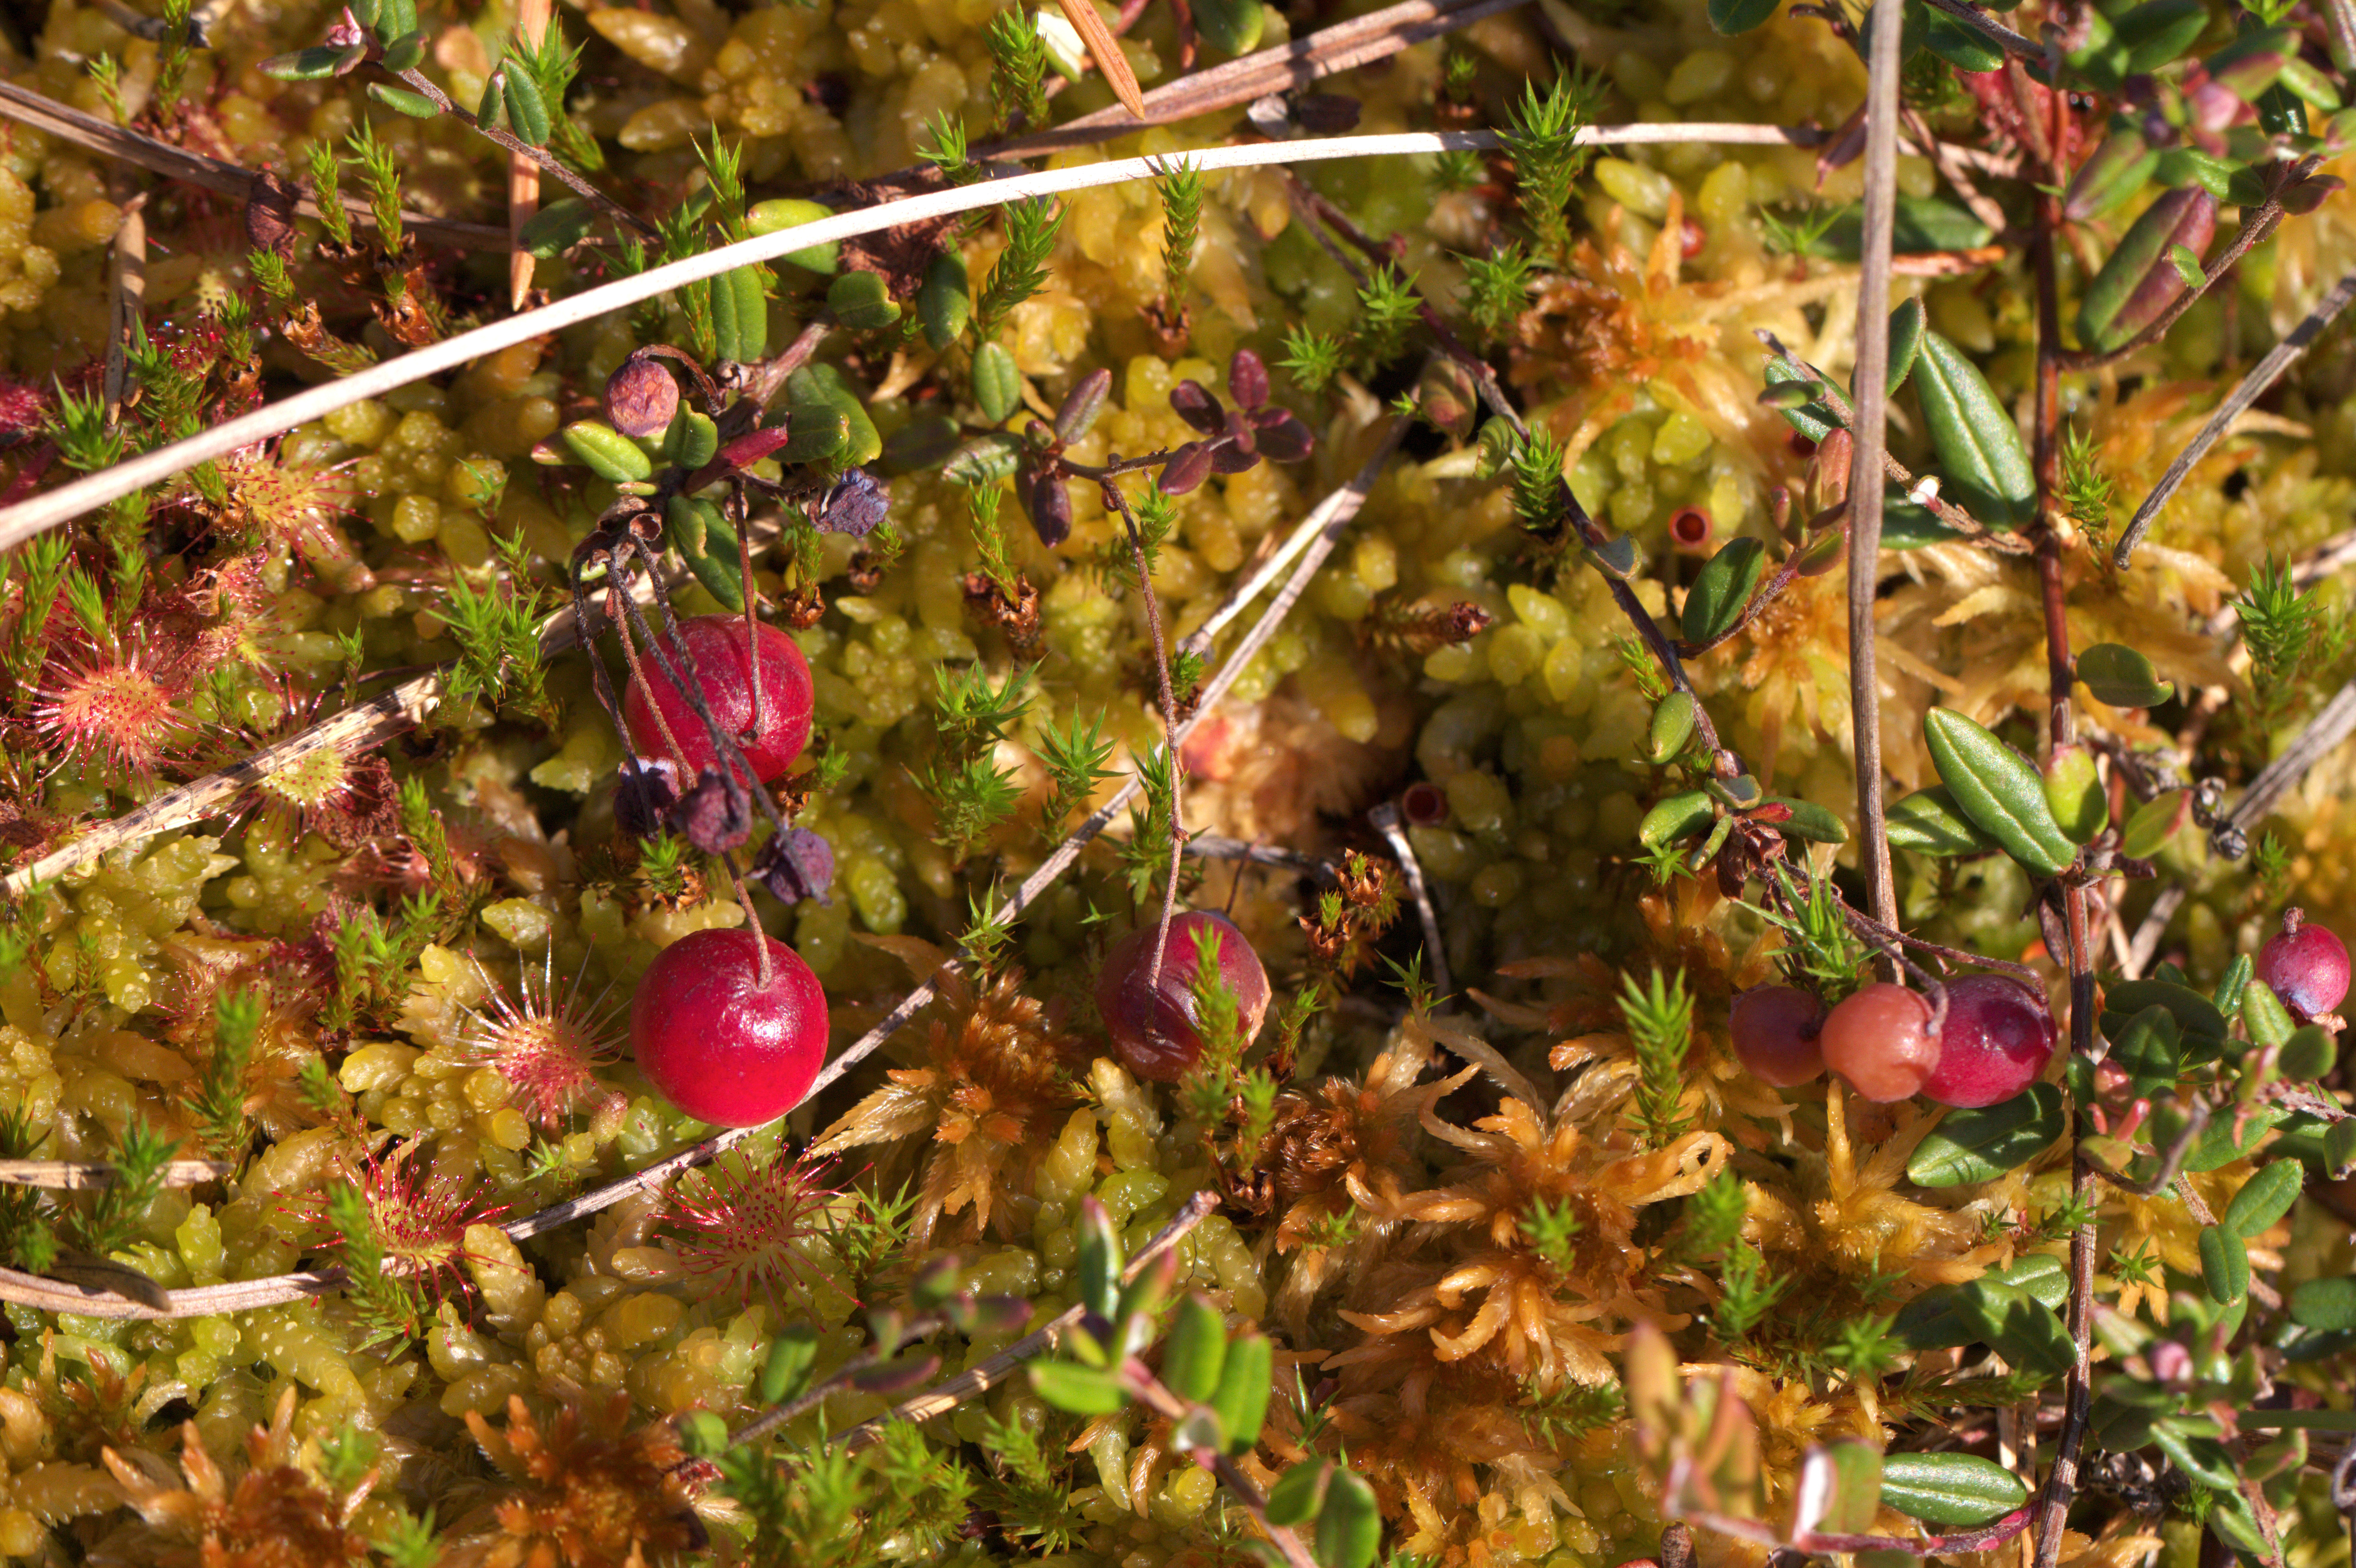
{"x": 1187, "y": 468}
{"x": 1199, "y": 407}
{"x": 1247, "y": 379}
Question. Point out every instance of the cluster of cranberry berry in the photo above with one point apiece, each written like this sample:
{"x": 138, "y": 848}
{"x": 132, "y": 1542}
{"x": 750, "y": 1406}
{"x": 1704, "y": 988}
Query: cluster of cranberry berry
{"x": 1998, "y": 1034}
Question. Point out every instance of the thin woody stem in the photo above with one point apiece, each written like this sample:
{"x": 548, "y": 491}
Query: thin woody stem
{"x": 613, "y": 594}
{"x": 1170, "y": 739}
{"x": 752, "y": 921}
{"x": 420, "y": 82}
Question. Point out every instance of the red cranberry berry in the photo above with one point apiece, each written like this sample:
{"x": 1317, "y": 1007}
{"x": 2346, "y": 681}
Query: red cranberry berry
{"x": 721, "y": 654}
{"x": 1997, "y": 1041}
{"x": 718, "y": 1045}
{"x": 1159, "y": 1033}
{"x": 2306, "y": 967}
{"x": 1880, "y": 1041}
{"x": 1775, "y": 1030}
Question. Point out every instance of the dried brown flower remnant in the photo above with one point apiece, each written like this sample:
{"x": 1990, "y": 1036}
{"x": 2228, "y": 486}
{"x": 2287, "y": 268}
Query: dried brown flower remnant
{"x": 999, "y": 1084}
{"x": 270, "y": 212}
{"x": 274, "y": 1516}
{"x": 588, "y": 1492}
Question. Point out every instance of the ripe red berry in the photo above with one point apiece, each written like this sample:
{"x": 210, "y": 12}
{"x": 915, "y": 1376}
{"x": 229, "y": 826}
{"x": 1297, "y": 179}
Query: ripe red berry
{"x": 1159, "y": 1033}
{"x": 714, "y": 1042}
{"x": 721, "y": 654}
{"x": 1997, "y": 1039}
{"x": 1880, "y": 1041}
{"x": 1775, "y": 1030}
{"x": 2306, "y": 967}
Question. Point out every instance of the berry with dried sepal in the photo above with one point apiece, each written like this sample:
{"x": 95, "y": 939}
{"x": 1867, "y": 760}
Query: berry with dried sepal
{"x": 1880, "y": 1041}
{"x": 716, "y": 1042}
{"x": 1158, "y": 1025}
{"x": 2305, "y": 965}
{"x": 1777, "y": 1035}
{"x": 641, "y": 398}
{"x": 1996, "y": 1042}
{"x": 718, "y": 651}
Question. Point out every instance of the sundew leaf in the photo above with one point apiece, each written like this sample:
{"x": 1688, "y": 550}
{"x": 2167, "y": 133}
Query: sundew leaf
{"x": 1982, "y": 1145}
{"x": 1994, "y": 786}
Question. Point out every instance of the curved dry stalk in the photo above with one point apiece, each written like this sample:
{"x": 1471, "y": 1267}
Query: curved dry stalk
{"x": 82, "y": 1175}
{"x": 1870, "y": 447}
{"x": 33, "y": 1290}
{"x": 45, "y": 511}
{"x": 2263, "y": 374}
{"x": 1385, "y": 818}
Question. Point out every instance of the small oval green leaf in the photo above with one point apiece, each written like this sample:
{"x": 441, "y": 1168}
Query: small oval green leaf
{"x": 2121, "y": 678}
{"x": 1082, "y": 1391}
{"x": 2194, "y": 1013}
{"x": 1733, "y": 17}
{"x": 1929, "y": 822}
{"x": 2041, "y": 1274}
{"x": 1679, "y": 817}
{"x": 1349, "y": 1525}
{"x": 1978, "y": 447}
{"x": 2224, "y": 1263}
{"x": 1982, "y": 1145}
{"x": 2024, "y": 1329}
{"x": 2074, "y": 793}
{"x": 1808, "y": 821}
{"x": 2263, "y": 1014}
{"x": 792, "y": 212}
{"x": 1231, "y": 27}
{"x": 1241, "y": 1399}
{"x": 2265, "y": 1198}
{"x": 1195, "y": 1350}
{"x": 1672, "y": 727}
{"x": 1297, "y": 1493}
{"x": 1723, "y": 587}
{"x": 945, "y": 301}
{"x": 1996, "y": 787}
{"x": 416, "y": 106}
{"x": 1950, "y": 1488}
{"x": 1909, "y": 321}
{"x": 558, "y": 227}
{"x": 862, "y": 302}
{"x": 997, "y": 384}
{"x": 2158, "y": 30}
{"x": 2151, "y": 825}
{"x": 2325, "y": 1304}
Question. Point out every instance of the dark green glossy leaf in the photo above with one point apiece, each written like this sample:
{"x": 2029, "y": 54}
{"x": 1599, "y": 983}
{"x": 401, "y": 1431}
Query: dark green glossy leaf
{"x": 2148, "y": 1051}
{"x": 416, "y": 106}
{"x": 1979, "y": 450}
{"x": 1813, "y": 420}
{"x": 1349, "y": 1525}
{"x": 2326, "y": 1304}
{"x": 2119, "y": 677}
{"x": 527, "y": 111}
{"x": 558, "y": 227}
{"x": 997, "y": 384}
{"x": 2191, "y": 166}
{"x": 1838, "y": 1489}
{"x": 2264, "y": 1199}
{"x": 2158, "y": 30}
{"x": 1298, "y": 1492}
{"x": 2221, "y": 1144}
{"x": 925, "y": 441}
{"x": 1732, "y": 17}
{"x": 1231, "y": 27}
{"x": 405, "y": 53}
{"x": 1960, "y": 44}
{"x": 1721, "y": 589}
{"x": 2263, "y": 1014}
{"x": 1996, "y": 787}
{"x": 1950, "y": 1488}
{"x": 2195, "y": 1014}
{"x": 2118, "y": 170}
{"x": 1809, "y": 821}
{"x": 1929, "y": 822}
{"x": 1679, "y": 817}
{"x": 1195, "y": 1350}
{"x": 1981, "y": 1144}
{"x": 1241, "y": 1399}
{"x": 2309, "y": 1053}
{"x": 1672, "y": 725}
{"x": 313, "y": 64}
{"x": 2151, "y": 825}
{"x": 2224, "y": 1263}
{"x": 862, "y": 302}
{"x": 1907, "y": 325}
{"x": 2041, "y": 1274}
{"x": 1082, "y": 1391}
{"x": 2020, "y": 1327}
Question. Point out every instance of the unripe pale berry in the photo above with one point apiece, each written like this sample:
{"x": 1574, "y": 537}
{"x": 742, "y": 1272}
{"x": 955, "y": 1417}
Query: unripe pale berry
{"x": 721, "y": 652}
{"x": 2305, "y": 965}
{"x": 1159, "y": 1033}
{"x": 1776, "y": 1031}
{"x": 718, "y": 1044}
{"x": 1996, "y": 1042}
{"x": 1880, "y": 1041}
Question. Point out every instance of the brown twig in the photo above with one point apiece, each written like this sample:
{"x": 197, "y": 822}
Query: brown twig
{"x": 1872, "y": 444}
{"x": 1120, "y": 503}
{"x": 232, "y": 180}
{"x": 2250, "y": 389}
{"x": 82, "y": 1176}
{"x": 129, "y": 301}
{"x": 1385, "y": 818}
{"x": 418, "y": 83}
{"x": 986, "y": 1375}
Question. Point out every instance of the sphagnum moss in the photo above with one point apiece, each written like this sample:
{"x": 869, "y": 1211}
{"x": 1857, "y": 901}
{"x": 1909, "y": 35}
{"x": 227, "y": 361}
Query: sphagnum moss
{"x": 1462, "y": 1237}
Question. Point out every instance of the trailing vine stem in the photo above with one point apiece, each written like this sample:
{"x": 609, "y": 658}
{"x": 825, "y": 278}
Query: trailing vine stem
{"x": 1120, "y": 503}
{"x": 422, "y": 84}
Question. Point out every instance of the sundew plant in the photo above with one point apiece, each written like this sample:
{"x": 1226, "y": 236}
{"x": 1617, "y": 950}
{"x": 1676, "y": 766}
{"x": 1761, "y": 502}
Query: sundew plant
{"x": 834, "y": 783}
